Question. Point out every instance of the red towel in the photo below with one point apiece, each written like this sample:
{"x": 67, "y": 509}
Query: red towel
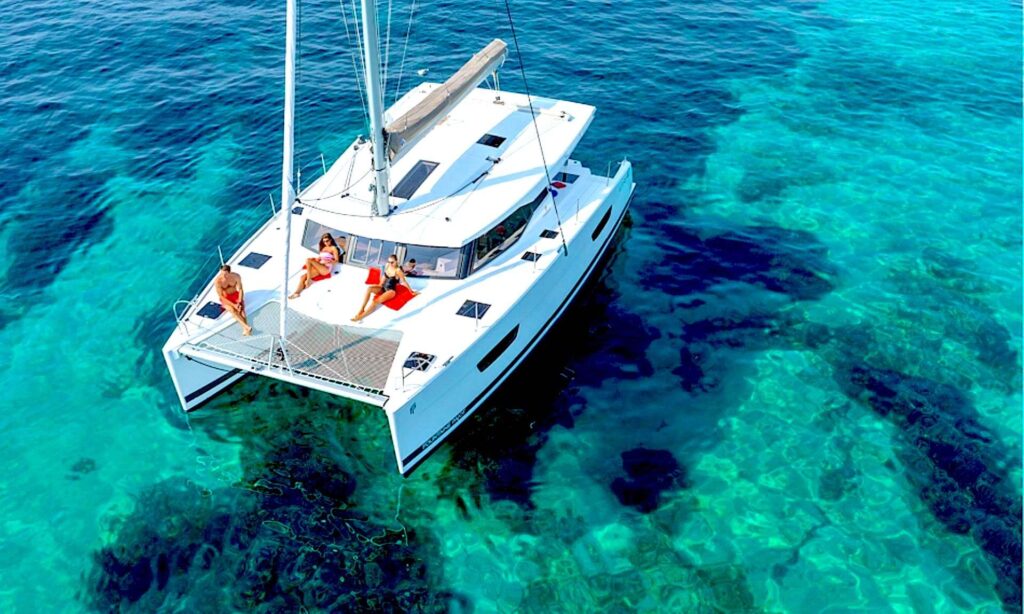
{"x": 402, "y": 296}
{"x": 373, "y": 277}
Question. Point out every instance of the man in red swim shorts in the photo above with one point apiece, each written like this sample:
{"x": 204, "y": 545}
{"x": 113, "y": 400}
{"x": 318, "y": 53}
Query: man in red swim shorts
{"x": 232, "y": 296}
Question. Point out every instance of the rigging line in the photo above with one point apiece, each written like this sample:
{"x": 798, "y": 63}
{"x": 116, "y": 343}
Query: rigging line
{"x": 352, "y": 57}
{"x": 362, "y": 60}
{"x": 344, "y": 18}
{"x": 359, "y": 87}
{"x": 346, "y": 189}
{"x": 387, "y": 55}
{"x": 475, "y": 182}
{"x": 536, "y": 127}
{"x": 405, "y": 49}
{"x": 295, "y": 84}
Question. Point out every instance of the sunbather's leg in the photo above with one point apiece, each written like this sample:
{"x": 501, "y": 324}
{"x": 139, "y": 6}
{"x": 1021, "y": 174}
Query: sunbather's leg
{"x": 239, "y": 315}
{"x": 303, "y": 284}
{"x": 366, "y": 299}
{"x": 377, "y": 302}
{"x": 315, "y": 268}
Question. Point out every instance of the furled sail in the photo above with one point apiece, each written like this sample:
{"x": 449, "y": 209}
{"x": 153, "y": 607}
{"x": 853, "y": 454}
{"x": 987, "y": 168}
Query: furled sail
{"x": 417, "y": 121}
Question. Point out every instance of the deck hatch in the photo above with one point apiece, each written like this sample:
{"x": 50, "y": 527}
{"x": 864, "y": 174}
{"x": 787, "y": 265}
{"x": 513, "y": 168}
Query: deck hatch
{"x": 498, "y": 349}
{"x": 418, "y": 361}
{"x": 414, "y": 179}
{"x": 491, "y": 140}
{"x": 568, "y": 178}
{"x": 254, "y": 260}
{"x": 531, "y": 256}
{"x": 548, "y": 234}
{"x": 473, "y": 309}
{"x": 210, "y": 310}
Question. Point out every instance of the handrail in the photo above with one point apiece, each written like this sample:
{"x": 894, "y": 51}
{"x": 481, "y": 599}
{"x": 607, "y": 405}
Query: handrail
{"x": 179, "y": 319}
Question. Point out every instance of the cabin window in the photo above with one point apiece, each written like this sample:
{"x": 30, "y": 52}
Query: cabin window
{"x": 370, "y": 252}
{"x": 600, "y": 225}
{"x": 498, "y": 239}
{"x": 413, "y": 179}
{"x": 314, "y": 230}
{"x": 433, "y": 261}
{"x": 491, "y": 140}
{"x": 566, "y": 177}
{"x": 498, "y": 349}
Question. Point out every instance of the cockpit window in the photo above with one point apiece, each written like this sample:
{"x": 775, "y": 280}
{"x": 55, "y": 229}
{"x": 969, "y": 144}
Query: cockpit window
{"x": 498, "y": 239}
{"x": 432, "y": 261}
{"x": 314, "y": 230}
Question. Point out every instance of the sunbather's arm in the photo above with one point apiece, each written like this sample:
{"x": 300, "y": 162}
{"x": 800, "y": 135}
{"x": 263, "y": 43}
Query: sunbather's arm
{"x": 401, "y": 278}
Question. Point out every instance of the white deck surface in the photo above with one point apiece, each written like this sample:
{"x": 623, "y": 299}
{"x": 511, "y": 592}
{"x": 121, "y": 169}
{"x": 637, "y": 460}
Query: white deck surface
{"x": 448, "y": 209}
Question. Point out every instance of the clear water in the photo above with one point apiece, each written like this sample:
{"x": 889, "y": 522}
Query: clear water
{"x": 796, "y": 388}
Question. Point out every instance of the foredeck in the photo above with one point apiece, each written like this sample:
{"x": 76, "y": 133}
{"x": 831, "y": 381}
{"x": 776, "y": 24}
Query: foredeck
{"x": 352, "y": 357}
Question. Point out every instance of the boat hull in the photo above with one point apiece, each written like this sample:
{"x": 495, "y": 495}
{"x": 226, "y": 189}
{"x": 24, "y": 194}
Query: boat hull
{"x": 196, "y": 382}
{"x": 423, "y": 422}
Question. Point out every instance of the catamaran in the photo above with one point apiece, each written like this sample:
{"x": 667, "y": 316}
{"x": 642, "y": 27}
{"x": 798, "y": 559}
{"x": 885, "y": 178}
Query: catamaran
{"x": 479, "y": 187}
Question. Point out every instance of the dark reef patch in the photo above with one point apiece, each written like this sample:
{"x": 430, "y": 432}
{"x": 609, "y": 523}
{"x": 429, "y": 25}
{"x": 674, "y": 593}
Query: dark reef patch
{"x": 790, "y": 262}
{"x": 648, "y": 474}
{"x": 955, "y": 463}
{"x": 285, "y": 540}
{"x": 33, "y": 265}
{"x": 82, "y": 466}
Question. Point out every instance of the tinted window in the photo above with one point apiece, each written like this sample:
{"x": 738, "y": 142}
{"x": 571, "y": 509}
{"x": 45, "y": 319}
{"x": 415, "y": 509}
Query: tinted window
{"x": 502, "y": 236}
{"x": 498, "y": 349}
{"x": 370, "y": 252}
{"x": 414, "y": 179}
{"x": 314, "y": 230}
{"x": 433, "y": 261}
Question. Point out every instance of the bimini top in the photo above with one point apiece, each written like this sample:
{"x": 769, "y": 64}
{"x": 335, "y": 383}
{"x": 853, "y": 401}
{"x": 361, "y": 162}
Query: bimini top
{"x": 462, "y": 177}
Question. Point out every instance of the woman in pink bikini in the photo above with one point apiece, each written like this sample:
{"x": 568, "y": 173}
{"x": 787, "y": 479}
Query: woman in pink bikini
{"x": 321, "y": 265}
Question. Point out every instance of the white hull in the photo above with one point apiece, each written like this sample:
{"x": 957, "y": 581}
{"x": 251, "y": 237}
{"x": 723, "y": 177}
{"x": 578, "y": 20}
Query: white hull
{"x": 427, "y": 416}
{"x": 195, "y": 382}
{"x": 481, "y": 307}
{"x": 423, "y": 422}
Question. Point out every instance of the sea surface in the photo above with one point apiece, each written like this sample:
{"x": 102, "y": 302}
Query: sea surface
{"x": 796, "y": 386}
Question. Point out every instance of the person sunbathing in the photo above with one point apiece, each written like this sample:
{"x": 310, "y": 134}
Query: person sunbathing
{"x": 229, "y": 288}
{"x": 320, "y": 266}
{"x": 391, "y": 276}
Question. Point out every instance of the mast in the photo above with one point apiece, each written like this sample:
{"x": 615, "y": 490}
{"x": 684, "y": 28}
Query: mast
{"x": 375, "y": 102}
{"x": 287, "y": 167}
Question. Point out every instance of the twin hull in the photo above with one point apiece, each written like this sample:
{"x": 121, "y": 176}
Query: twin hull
{"x": 446, "y": 400}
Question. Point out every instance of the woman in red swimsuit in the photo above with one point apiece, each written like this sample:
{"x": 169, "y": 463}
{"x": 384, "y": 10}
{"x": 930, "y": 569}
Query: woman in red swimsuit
{"x": 320, "y": 266}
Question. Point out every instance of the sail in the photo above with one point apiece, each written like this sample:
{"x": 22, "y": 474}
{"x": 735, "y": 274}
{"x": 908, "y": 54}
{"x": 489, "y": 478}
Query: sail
{"x": 417, "y": 121}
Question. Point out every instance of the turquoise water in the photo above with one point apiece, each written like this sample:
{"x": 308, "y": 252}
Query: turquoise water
{"x": 797, "y": 386}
